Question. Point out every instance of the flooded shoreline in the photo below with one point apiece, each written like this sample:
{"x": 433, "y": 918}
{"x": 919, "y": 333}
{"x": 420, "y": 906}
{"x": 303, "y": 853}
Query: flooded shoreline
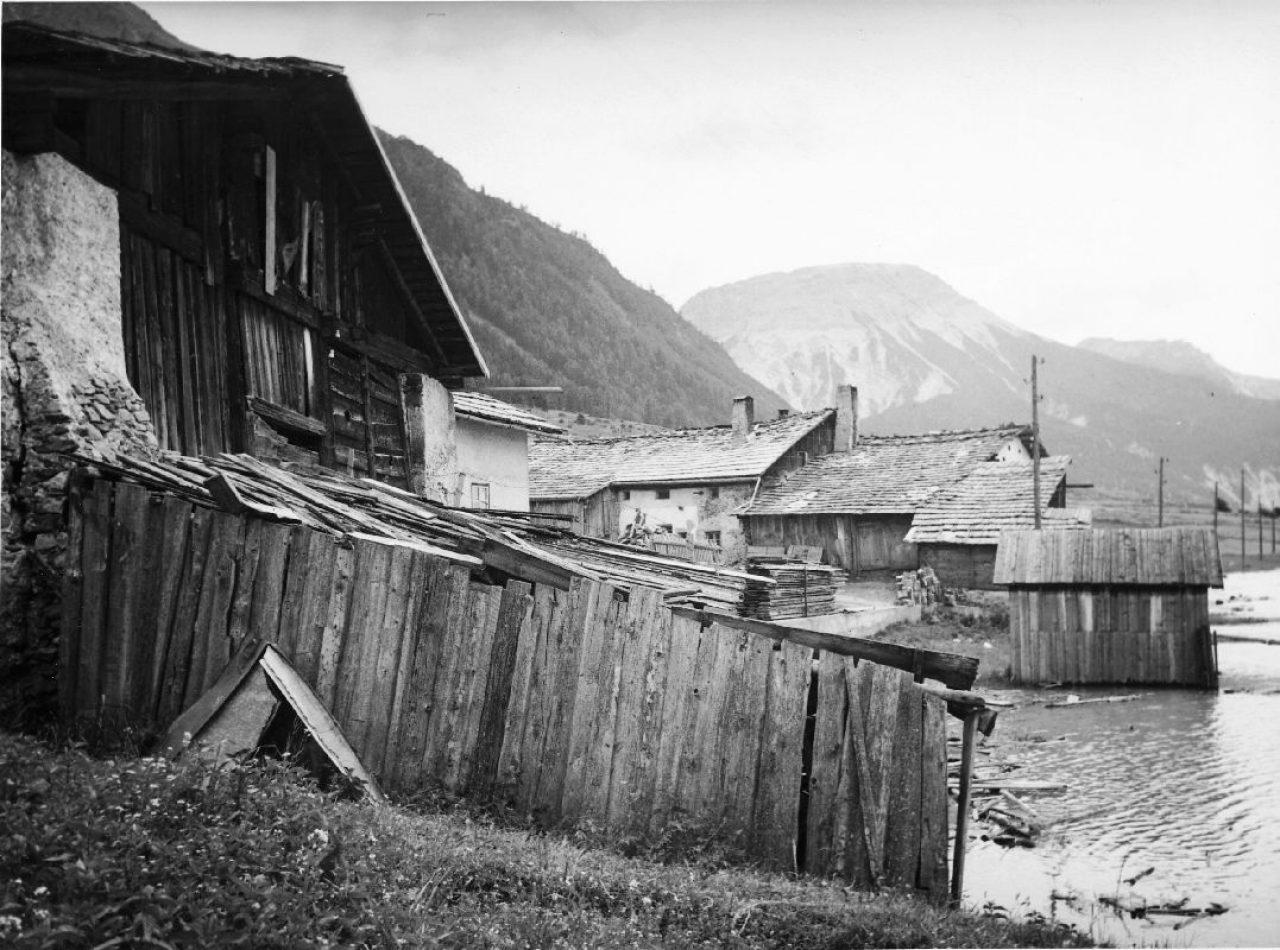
{"x": 1171, "y": 800}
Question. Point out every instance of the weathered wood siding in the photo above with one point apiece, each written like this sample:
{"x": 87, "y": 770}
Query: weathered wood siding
{"x": 858, "y": 544}
{"x": 961, "y": 565}
{"x": 261, "y": 308}
{"x": 1157, "y": 635}
{"x": 592, "y": 703}
{"x": 594, "y": 517}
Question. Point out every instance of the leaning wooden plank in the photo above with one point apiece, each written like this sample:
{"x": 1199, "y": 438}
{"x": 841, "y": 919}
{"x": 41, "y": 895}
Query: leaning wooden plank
{"x": 513, "y": 614}
{"x": 193, "y": 719}
{"x": 951, "y": 669}
{"x": 225, "y": 493}
{"x": 319, "y": 723}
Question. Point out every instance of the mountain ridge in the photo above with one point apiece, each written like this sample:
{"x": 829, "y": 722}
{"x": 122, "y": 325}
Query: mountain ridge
{"x": 1179, "y": 356}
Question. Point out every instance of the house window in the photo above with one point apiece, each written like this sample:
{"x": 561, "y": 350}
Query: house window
{"x": 626, "y": 494}
{"x": 662, "y": 493}
{"x": 713, "y": 537}
{"x": 479, "y": 495}
{"x": 715, "y": 491}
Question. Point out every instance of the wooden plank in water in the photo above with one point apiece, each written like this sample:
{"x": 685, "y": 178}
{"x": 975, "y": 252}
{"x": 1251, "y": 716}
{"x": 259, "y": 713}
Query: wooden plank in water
{"x": 780, "y": 763}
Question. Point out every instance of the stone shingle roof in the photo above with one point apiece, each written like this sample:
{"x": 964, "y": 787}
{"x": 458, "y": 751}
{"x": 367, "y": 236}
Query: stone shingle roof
{"x": 562, "y": 469}
{"x": 886, "y": 474}
{"x": 1156, "y": 557}
{"x": 994, "y": 496}
{"x": 488, "y": 409}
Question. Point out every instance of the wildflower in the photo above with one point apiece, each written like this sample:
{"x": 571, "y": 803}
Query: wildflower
{"x": 10, "y": 926}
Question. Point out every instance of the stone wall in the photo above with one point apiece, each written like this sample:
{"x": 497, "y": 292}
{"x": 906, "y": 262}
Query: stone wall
{"x": 65, "y": 390}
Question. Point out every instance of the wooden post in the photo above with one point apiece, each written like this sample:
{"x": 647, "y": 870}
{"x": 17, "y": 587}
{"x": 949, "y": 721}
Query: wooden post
{"x": 269, "y": 219}
{"x": 1215, "y": 510}
{"x": 1035, "y": 442}
{"x": 1160, "y": 496}
{"x": 962, "y": 811}
{"x": 1259, "y": 528}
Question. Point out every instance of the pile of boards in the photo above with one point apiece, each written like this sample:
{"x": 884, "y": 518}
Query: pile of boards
{"x": 781, "y": 588}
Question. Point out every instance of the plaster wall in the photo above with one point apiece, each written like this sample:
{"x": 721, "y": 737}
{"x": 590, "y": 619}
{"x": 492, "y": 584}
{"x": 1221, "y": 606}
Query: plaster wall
{"x": 431, "y": 438}
{"x": 65, "y": 390}
{"x": 493, "y": 455}
{"x": 691, "y": 511}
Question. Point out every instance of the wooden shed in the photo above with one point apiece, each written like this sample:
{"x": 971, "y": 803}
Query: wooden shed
{"x": 1116, "y": 606}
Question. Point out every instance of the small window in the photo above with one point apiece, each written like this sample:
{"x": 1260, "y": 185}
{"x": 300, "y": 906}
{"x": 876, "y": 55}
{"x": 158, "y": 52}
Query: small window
{"x": 479, "y": 495}
{"x": 626, "y": 494}
{"x": 662, "y": 493}
{"x": 666, "y": 528}
{"x": 713, "y": 537}
{"x": 715, "y": 491}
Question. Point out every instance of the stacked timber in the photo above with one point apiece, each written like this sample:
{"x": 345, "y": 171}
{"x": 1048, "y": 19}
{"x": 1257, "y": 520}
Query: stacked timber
{"x": 798, "y": 589}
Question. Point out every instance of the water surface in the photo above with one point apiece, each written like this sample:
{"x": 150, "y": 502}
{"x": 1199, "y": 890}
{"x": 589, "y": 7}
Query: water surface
{"x": 1186, "y": 782}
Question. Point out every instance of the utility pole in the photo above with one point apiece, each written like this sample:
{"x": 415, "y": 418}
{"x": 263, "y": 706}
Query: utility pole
{"x": 1243, "y": 553}
{"x": 1035, "y": 441}
{"x": 1160, "y": 496}
{"x": 1215, "y": 510}
{"x": 1259, "y": 527}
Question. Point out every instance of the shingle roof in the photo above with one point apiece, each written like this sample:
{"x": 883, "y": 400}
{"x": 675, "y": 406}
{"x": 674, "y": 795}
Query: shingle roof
{"x": 560, "y": 469}
{"x": 885, "y": 474}
{"x": 486, "y": 408}
{"x": 1158, "y": 557}
{"x": 994, "y": 496}
{"x": 38, "y": 59}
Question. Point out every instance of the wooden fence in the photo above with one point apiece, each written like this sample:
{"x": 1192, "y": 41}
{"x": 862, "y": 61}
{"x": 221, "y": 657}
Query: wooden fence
{"x": 589, "y": 703}
{"x": 1093, "y": 634}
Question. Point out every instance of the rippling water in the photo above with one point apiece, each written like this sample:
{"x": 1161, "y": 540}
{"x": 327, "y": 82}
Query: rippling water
{"x": 1182, "y": 781}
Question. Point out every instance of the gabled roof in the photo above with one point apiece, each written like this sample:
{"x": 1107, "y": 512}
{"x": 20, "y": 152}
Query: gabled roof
{"x": 995, "y": 496}
{"x": 681, "y": 457}
{"x": 42, "y": 61}
{"x": 886, "y": 474}
{"x": 486, "y": 408}
{"x": 1148, "y": 557}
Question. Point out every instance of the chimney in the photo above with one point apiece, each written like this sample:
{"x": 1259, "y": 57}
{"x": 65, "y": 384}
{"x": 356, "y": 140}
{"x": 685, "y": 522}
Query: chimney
{"x": 846, "y": 418}
{"x": 744, "y": 417}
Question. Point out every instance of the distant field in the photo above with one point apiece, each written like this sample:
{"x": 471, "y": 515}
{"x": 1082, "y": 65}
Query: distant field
{"x": 1115, "y": 511}
{"x": 581, "y": 426}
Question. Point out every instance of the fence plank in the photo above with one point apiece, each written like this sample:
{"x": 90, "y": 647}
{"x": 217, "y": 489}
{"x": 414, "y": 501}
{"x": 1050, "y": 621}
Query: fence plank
{"x": 777, "y": 807}
{"x": 335, "y": 622}
{"x": 640, "y": 768}
{"x": 528, "y": 672}
{"x": 902, "y": 860}
{"x": 740, "y": 736}
{"x": 417, "y": 591}
{"x": 591, "y": 732}
{"x": 128, "y": 557}
{"x": 514, "y": 616}
{"x": 478, "y": 651}
{"x": 559, "y": 697}
{"x": 636, "y": 695}
{"x": 95, "y": 593}
{"x": 933, "y": 797}
{"x": 428, "y": 632}
{"x": 190, "y": 585}
{"x": 390, "y": 633}
{"x": 174, "y": 544}
{"x": 438, "y": 725}
{"x": 70, "y": 629}
{"x": 357, "y": 665}
{"x": 832, "y": 843}
{"x": 673, "y": 719}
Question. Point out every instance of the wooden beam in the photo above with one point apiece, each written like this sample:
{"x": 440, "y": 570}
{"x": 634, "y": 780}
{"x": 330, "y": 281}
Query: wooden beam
{"x": 950, "y": 669}
{"x": 23, "y": 80}
{"x": 163, "y": 229}
{"x": 198, "y": 714}
{"x": 285, "y": 418}
{"x": 394, "y": 268}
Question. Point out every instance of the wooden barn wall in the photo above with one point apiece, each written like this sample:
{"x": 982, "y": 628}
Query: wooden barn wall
{"x": 830, "y": 532}
{"x": 592, "y": 703}
{"x": 247, "y": 258}
{"x": 821, "y": 441}
{"x": 880, "y": 546}
{"x": 961, "y": 565}
{"x": 1082, "y": 635}
{"x": 594, "y": 517}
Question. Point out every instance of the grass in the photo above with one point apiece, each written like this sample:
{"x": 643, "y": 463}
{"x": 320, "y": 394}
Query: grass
{"x": 985, "y": 636}
{"x": 139, "y": 852}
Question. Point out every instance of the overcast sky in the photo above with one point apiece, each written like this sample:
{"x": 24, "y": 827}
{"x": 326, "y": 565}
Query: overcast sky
{"x": 1080, "y": 168}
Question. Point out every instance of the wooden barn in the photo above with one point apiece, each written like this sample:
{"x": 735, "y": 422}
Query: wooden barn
{"x": 274, "y": 285}
{"x": 1127, "y": 605}
{"x": 956, "y": 532}
{"x": 858, "y": 505}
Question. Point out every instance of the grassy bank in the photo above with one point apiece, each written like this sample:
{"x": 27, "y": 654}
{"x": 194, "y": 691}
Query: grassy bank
{"x": 141, "y": 853}
{"x": 984, "y": 636}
